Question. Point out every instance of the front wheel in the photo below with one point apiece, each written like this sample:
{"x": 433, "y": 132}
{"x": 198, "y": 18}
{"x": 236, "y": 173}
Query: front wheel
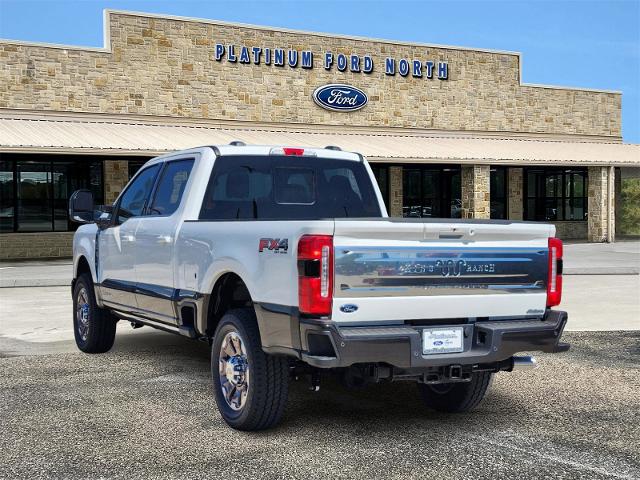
{"x": 94, "y": 328}
{"x": 456, "y": 397}
{"x": 250, "y": 387}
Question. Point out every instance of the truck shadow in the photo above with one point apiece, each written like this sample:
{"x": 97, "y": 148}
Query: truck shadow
{"x": 375, "y": 405}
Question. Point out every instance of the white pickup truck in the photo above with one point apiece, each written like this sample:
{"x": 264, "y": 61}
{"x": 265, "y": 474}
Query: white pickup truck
{"x": 285, "y": 261}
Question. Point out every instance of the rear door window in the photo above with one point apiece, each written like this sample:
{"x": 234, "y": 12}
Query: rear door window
{"x": 280, "y": 188}
{"x": 173, "y": 181}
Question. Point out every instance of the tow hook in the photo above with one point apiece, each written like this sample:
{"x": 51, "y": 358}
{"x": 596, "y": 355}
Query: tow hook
{"x": 523, "y": 363}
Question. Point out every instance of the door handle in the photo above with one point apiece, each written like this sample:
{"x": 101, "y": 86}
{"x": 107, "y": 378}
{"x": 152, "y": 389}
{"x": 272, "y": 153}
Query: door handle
{"x": 128, "y": 238}
{"x": 164, "y": 239}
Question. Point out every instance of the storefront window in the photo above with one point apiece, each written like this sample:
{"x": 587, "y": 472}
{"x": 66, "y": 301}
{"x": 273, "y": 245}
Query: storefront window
{"x": 382, "y": 177}
{"x": 498, "y": 192}
{"x": 34, "y": 197}
{"x": 431, "y": 192}
{"x": 35, "y": 190}
{"x": 134, "y": 166}
{"x": 7, "y": 197}
{"x": 555, "y": 194}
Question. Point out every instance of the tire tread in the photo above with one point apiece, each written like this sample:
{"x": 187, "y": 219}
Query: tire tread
{"x": 269, "y": 378}
{"x": 102, "y": 329}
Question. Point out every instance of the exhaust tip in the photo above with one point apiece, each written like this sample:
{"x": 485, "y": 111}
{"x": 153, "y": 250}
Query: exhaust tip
{"x": 524, "y": 363}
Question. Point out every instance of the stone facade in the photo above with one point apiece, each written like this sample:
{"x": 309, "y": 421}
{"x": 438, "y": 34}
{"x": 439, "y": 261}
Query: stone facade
{"x": 161, "y": 66}
{"x": 515, "y": 186}
{"x": 601, "y": 201}
{"x": 475, "y": 191}
{"x": 18, "y": 246}
{"x": 571, "y": 230}
{"x": 116, "y": 176}
{"x": 395, "y": 191}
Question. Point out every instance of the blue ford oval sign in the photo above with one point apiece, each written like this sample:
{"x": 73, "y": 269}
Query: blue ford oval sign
{"x": 340, "y": 98}
{"x": 348, "y": 308}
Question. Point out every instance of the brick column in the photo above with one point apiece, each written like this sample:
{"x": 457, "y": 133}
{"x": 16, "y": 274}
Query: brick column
{"x": 116, "y": 176}
{"x": 618, "y": 200}
{"x": 601, "y": 204}
{"x": 515, "y": 187}
{"x": 475, "y": 191}
{"x": 395, "y": 191}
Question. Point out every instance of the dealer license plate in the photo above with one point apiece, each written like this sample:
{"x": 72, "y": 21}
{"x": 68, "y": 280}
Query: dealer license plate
{"x": 442, "y": 340}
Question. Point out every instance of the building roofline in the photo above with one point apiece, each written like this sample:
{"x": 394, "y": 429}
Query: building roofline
{"x": 106, "y": 48}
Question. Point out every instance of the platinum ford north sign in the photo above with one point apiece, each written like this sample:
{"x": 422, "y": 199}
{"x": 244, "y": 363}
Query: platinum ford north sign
{"x": 305, "y": 59}
{"x": 340, "y": 98}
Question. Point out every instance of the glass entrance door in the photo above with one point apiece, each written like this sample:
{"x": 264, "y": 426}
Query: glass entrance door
{"x": 34, "y": 197}
{"x": 431, "y": 192}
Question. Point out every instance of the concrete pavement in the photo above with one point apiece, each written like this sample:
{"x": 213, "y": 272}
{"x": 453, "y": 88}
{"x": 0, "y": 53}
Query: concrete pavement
{"x": 36, "y": 273}
{"x": 619, "y": 258}
{"x": 145, "y": 410}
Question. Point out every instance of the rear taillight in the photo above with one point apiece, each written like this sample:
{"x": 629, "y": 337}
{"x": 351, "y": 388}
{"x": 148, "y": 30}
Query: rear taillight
{"x": 315, "y": 274}
{"x": 554, "y": 283}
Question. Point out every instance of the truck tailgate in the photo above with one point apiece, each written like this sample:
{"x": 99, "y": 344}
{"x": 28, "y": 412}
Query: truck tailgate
{"x": 395, "y": 270}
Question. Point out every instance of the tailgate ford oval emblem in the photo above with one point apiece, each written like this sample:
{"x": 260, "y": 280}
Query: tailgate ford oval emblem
{"x": 340, "y": 98}
{"x": 348, "y": 308}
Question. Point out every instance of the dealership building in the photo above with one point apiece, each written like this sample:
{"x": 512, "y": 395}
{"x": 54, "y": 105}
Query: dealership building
{"x": 450, "y": 132}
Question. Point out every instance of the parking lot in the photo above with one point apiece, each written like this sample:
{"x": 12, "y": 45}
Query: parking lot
{"x": 145, "y": 409}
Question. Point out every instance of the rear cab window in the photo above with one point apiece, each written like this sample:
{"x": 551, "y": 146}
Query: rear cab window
{"x": 287, "y": 188}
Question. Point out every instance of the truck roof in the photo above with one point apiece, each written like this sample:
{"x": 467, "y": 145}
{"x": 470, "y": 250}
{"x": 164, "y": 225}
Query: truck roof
{"x": 239, "y": 148}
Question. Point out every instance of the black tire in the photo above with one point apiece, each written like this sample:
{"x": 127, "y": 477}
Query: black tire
{"x": 267, "y": 386}
{"x": 95, "y": 329}
{"x": 456, "y": 397}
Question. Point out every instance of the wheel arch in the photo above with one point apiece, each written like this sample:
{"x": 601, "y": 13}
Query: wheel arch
{"x": 229, "y": 291}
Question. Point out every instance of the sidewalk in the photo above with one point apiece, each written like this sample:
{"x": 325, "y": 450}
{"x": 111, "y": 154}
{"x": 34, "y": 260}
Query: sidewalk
{"x": 36, "y": 273}
{"x": 621, "y": 258}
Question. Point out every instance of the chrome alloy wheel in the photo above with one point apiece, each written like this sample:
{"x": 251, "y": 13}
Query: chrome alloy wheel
{"x": 82, "y": 314}
{"x": 233, "y": 370}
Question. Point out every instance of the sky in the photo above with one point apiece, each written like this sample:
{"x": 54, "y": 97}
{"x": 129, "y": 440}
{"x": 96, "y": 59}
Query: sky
{"x": 577, "y": 43}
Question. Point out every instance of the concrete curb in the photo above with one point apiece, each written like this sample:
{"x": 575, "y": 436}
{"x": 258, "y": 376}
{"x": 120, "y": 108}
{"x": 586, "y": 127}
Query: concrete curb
{"x": 602, "y": 271}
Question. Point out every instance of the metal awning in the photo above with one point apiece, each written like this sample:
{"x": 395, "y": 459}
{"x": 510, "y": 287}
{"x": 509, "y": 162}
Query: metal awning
{"x": 109, "y": 136}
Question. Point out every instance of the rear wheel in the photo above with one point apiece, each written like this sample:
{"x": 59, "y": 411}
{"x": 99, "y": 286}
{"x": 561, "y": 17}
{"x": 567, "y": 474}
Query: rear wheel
{"x": 456, "y": 397}
{"x": 250, "y": 387}
{"x": 94, "y": 328}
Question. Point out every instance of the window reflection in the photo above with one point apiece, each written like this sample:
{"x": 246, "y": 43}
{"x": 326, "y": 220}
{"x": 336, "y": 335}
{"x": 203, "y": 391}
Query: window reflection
{"x": 431, "y": 192}
{"x": 498, "y": 192}
{"x": 34, "y": 197}
{"x": 35, "y": 190}
{"x": 7, "y": 200}
{"x": 556, "y": 194}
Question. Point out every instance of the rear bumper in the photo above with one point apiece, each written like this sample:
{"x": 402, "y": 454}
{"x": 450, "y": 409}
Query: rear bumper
{"x": 401, "y": 345}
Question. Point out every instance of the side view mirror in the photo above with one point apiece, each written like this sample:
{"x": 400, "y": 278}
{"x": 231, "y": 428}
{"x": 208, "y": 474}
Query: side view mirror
{"x": 81, "y": 207}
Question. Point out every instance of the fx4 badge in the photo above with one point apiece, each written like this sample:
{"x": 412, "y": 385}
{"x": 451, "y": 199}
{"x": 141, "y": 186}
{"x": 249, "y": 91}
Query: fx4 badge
{"x": 275, "y": 245}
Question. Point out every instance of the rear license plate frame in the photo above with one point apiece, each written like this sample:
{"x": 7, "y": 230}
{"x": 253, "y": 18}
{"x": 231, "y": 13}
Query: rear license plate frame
{"x": 451, "y": 340}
